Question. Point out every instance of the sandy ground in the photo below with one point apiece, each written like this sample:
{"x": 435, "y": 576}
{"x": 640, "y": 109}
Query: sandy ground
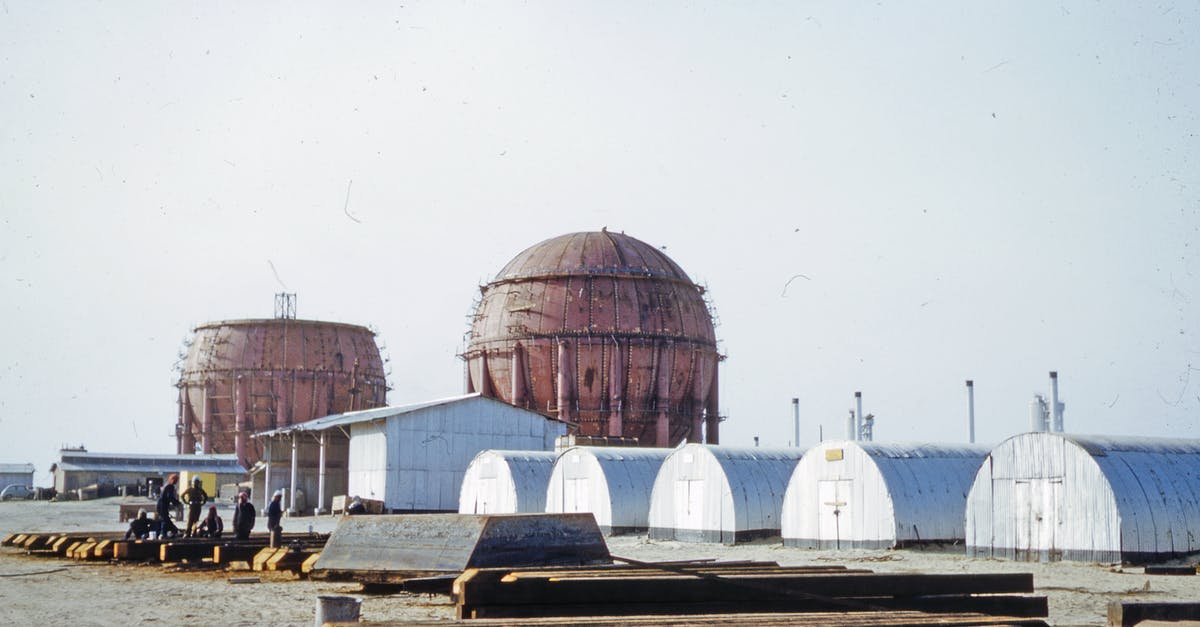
{"x": 57, "y": 592}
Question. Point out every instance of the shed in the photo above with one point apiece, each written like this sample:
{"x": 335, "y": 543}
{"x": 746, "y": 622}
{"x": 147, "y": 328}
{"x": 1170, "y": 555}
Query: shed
{"x": 20, "y": 474}
{"x": 411, "y": 457}
{"x": 706, "y": 493}
{"x": 506, "y": 482}
{"x": 872, "y": 495}
{"x": 110, "y": 471}
{"x": 613, "y": 483}
{"x": 1048, "y": 496}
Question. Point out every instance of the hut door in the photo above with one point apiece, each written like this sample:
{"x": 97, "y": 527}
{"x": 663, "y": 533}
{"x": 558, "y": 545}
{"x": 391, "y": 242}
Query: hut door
{"x": 577, "y": 496}
{"x": 1037, "y": 502}
{"x": 833, "y": 512}
{"x": 1024, "y": 517}
{"x": 689, "y": 504}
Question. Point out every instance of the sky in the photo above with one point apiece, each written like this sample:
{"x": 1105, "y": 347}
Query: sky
{"x": 889, "y": 197}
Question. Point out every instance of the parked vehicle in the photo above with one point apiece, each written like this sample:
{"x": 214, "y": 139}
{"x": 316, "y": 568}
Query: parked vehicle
{"x": 16, "y": 491}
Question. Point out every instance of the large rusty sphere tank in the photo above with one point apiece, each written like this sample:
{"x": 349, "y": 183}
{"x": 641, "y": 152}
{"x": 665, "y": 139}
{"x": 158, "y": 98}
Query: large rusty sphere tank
{"x": 604, "y": 332}
{"x": 245, "y": 376}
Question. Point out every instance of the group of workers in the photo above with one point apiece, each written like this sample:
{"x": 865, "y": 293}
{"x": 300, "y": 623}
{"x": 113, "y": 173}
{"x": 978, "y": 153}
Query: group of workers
{"x": 212, "y": 526}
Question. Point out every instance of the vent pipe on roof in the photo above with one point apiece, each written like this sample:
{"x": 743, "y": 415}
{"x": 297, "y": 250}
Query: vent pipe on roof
{"x": 796, "y": 421}
{"x": 858, "y": 415}
{"x": 850, "y": 426}
{"x": 970, "y": 411}
{"x": 1055, "y": 406}
{"x": 1039, "y": 414}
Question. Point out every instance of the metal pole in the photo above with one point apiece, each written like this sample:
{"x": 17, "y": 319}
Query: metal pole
{"x": 971, "y": 411}
{"x": 321, "y": 477}
{"x": 858, "y": 416}
{"x": 292, "y": 483}
{"x": 796, "y": 421}
{"x": 267, "y": 473}
{"x": 1055, "y": 406}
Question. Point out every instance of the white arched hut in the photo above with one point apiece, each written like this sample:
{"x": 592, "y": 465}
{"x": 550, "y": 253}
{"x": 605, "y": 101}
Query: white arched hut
{"x": 506, "y": 482}
{"x": 871, "y": 495}
{"x": 708, "y": 493}
{"x": 1048, "y": 496}
{"x": 613, "y": 483}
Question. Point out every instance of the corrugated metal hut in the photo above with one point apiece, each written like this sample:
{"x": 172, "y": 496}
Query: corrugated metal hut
{"x": 506, "y": 482}
{"x": 1048, "y": 496}
{"x": 613, "y": 483}
{"x": 847, "y": 494}
{"x": 411, "y": 457}
{"x": 19, "y": 474}
{"x": 708, "y": 493}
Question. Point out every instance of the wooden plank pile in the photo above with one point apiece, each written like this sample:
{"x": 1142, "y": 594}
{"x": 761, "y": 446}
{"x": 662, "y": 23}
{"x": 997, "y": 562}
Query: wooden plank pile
{"x": 740, "y": 588}
{"x": 113, "y": 546}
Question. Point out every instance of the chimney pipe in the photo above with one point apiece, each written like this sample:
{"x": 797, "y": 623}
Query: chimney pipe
{"x": 1056, "y": 408}
{"x": 970, "y": 411}
{"x": 850, "y": 426}
{"x": 858, "y": 415}
{"x": 796, "y": 421}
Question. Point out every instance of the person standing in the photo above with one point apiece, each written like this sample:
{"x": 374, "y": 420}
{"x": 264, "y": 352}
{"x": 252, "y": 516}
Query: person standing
{"x": 167, "y": 501}
{"x": 275, "y": 511}
{"x": 195, "y": 497}
{"x": 243, "y": 517}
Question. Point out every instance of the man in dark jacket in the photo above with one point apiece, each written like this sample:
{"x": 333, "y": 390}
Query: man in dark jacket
{"x": 168, "y": 501}
{"x": 140, "y": 528}
{"x": 243, "y": 517}
{"x": 275, "y": 511}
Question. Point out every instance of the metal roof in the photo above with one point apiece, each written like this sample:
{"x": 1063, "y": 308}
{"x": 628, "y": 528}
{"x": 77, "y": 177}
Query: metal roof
{"x": 366, "y": 415}
{"x": 16, "y": 469}
{"x": 135, "y": 462}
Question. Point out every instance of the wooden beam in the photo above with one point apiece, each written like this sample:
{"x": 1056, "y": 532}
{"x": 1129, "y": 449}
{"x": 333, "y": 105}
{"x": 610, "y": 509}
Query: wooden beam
{"x": 898, "y": 618}
{"x": 1127, "y": 613}
{"x": 748, "y": 588}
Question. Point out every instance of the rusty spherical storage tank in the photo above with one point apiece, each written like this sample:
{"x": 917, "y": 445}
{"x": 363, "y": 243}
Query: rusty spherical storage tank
{"x": 604, "y": 332}
{"x": 245, "y": 376}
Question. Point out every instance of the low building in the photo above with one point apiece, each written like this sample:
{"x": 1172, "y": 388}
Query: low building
{"x": 110, "y": 472}
{"x": 506, "y": 482}
{"x": 708, "y": 493}
{"x": 410, "y": 457}
{"x": 19, "y": 474}
{"x": 875, "y": 495}
{"x": 613, "y": 483}
{"x": 1046, "y": 496}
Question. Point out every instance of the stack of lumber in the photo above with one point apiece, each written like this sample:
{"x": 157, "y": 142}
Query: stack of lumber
{"x": 112, "y": 545}
{"x": 284, "y": 559}
{"x": 743, "y": 588}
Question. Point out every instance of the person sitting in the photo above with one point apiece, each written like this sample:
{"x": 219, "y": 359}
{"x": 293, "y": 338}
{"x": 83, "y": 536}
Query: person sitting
{"x": 139, "y": 528}
{"x": 356, "y": 507}
{"x": 212, "y": 525}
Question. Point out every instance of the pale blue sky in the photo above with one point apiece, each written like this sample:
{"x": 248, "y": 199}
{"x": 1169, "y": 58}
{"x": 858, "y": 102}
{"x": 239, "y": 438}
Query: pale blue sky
{"x": 975, "y": 190}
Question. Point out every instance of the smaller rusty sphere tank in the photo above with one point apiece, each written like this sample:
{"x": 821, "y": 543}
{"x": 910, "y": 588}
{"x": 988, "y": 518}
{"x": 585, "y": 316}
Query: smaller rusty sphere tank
{"x": 245, "y": 376}
{"x": 604, "y": 332}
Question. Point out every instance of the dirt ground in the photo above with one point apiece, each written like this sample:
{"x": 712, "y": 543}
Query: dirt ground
{"x": 57, "y": 592}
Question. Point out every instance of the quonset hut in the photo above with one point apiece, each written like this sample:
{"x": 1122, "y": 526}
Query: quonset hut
{"x": 1048, "y": 496}
{"x": 506, "y": 482}
{"x": 613, "y": 483}
{"x": 718, "y": 494}
{"x": 872, "y": 495}
{"x": 603, "y": 332}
